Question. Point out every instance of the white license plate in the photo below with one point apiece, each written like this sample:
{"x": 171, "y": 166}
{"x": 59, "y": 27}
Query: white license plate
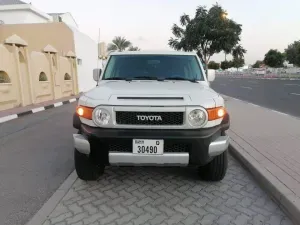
{"x": 148, "y": 147}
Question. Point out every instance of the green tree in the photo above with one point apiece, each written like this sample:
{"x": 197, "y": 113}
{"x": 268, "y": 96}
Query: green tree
{"x": 257, "y": 64}
{"x": 119, "y": 44}
{"x": 238, "y": 62}
{"x": 274, "y": 58}
{"x": 238, "y": 51}
{"x": 227, "y": 51}
{"x": 226, "y": 65}
{"x": 231, "y": 64}
{"x": 213, "y": 65}
{"x": 292, "y": 53}
{"x": 132, "y": 48}
{"x": 208, "y": 33}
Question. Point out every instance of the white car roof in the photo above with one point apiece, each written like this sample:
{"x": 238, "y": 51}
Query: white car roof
{"x": 153, "y": 53}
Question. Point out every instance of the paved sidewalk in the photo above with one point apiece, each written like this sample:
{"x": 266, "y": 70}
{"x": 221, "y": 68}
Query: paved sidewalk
{"x": 18, "y": 110}
{"x": 269, "y": 144}
{"x": 13, "y": 113}
{"x": 161, "y": 196}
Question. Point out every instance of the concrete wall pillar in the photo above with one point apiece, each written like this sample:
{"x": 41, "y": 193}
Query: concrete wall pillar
{"x": 52, "y": 78}
{"x": 20, "y": 80}
{"x": 31, "y": 86}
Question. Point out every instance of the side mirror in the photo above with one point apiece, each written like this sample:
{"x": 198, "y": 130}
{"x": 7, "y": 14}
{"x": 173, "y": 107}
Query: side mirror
{"x": 96, "y": 74}
{"x": 211, "y": 75}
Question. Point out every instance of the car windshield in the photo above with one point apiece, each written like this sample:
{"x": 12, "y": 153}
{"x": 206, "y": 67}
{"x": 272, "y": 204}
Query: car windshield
{"x": 151, "y": 67}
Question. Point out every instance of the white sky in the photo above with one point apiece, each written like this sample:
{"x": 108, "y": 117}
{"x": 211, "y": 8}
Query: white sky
{"x": 147, "y": 24}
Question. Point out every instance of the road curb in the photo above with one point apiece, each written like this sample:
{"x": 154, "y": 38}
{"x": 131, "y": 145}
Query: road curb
{"x": 261, "y": 78}
{"x": 286, "y": 200}
{"x": 35, "y": 110}
{"x": 41, "y": 216}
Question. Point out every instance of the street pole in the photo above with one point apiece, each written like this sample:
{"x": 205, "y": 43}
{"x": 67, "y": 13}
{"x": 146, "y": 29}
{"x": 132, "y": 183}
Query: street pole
{"x": 98, "y": 49}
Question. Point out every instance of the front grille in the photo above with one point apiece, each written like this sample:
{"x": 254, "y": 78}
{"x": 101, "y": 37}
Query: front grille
{"x": 167, "y": 118}
{"x": 126, "y": 146}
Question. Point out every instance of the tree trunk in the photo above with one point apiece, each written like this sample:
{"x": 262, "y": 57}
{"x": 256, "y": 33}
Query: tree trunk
{"x": 206, "y": 65}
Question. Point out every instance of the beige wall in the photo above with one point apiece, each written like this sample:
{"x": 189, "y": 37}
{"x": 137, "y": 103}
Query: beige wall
{"x": 31, "y": 73}
{"x": 38, "y": 35}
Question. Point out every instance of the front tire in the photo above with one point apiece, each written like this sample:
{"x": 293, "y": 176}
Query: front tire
{"x": 216, "y": 169}
{"x": 85, "y": 168}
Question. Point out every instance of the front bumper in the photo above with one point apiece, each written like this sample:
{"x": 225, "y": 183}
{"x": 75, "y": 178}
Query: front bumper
{"x": 182, "y": 147}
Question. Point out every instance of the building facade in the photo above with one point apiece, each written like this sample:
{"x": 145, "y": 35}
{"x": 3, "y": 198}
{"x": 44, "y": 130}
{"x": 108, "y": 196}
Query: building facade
{"x": 17, "y": 16}
{"x": 32, "y": 70}
{"x": 19, "y": 12}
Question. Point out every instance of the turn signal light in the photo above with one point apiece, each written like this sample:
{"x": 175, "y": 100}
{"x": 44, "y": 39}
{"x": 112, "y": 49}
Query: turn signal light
{"x": 216, "y": 113}
{"x": 85, "y": 112}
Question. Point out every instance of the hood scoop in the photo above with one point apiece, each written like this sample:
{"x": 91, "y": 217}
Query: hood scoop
{"x": 150, "y": 98}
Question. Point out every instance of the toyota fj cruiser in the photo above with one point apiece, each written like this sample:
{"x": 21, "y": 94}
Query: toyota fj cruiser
{"x": 151, "y": 109}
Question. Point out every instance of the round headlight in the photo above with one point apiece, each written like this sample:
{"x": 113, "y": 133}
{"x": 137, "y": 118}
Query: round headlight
{"x": 197, "y": 117}
{"x": 101, "y": 117}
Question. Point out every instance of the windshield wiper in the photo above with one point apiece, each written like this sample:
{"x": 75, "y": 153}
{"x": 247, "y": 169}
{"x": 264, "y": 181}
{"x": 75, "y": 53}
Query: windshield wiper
{"x": 180, "y": 78}
{"x": 134, "y": 78}
{"x": 145, "y": 78}
{"x": 118, "y": 78}
{"x": 150, "y": 78}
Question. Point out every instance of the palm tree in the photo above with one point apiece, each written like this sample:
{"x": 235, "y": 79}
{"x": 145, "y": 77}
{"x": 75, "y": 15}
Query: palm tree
{"x": 119, "y": 44}
{"x": 227, "y": 52}
{"x": 132, "y": 48}
{"x": 238, "y": 51}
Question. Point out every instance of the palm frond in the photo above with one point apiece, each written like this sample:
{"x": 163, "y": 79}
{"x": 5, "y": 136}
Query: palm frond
{"x": 121, "y": 43}
{"x": 132, "y": 48}
{"x": 184, "y": 20}
{"x": 112, "y": 47}
{"x": 238, "y": 51}
{"x": 177, "y": 31}
{"x": 174, "y": 43}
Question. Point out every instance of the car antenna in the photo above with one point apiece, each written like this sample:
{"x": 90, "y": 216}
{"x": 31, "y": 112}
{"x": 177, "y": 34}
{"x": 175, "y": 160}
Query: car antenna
{"x": 98, "y": 53}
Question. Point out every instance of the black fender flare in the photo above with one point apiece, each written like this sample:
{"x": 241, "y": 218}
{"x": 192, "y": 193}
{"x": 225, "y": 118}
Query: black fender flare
{"x": 76, "y": 121}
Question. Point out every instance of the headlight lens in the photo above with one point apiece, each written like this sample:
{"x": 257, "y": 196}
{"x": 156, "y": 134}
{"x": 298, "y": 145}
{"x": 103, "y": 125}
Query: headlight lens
{"x": 197, "y": 117}
{"x": 101, "y": 117}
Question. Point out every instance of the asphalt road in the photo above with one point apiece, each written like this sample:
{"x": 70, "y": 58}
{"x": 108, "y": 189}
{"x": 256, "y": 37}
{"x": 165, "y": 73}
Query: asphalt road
{"x": 279, "y": 95}
{"x": 36, "y": 156}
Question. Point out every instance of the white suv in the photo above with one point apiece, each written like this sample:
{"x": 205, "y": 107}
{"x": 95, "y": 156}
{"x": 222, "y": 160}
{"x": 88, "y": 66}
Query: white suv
{"x": 151, "y": 109}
